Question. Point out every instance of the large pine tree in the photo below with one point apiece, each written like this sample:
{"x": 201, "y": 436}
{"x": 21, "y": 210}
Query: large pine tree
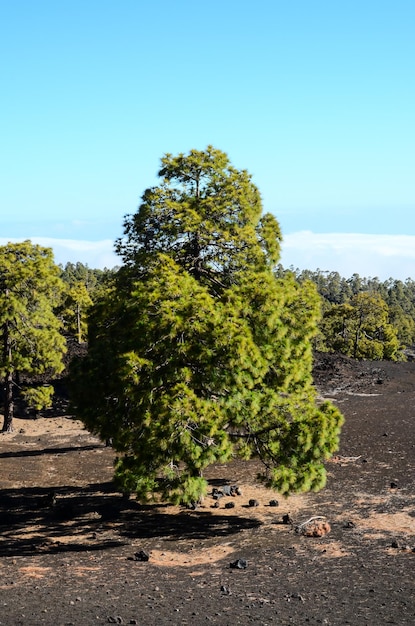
{"x": 199, "y": 353}
{"x": 30, "y": 336}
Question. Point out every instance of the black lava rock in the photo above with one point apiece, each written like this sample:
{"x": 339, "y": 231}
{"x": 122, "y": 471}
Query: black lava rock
{"x": 141, "y": 555}
{"x": 239, "y": 564}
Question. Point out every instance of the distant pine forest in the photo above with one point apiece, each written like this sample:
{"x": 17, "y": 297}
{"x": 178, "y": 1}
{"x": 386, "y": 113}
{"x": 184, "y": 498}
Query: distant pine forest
{"x": 363, "y": 318}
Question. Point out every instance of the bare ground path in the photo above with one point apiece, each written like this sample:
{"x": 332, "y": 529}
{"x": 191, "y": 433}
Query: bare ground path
{"x": 68, "y": 541}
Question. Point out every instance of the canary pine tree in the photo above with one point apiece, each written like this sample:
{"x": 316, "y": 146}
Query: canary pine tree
{"x": 199, "y": 353}
{"x": 31, "y": 341}
{"x": 75, "y": 309}
{"x": 361, "y": 328}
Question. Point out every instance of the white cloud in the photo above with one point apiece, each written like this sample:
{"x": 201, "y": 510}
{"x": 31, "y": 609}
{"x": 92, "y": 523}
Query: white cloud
{"x": 95, "y": 254}
{"x": 382, "y": 256}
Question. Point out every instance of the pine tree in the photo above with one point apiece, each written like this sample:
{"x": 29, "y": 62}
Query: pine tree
{"x": 82, "y": 286}
{"x": 75, "y": 309}
{"x": 30, "y": 332}
{"x": 361, "y": 329}
{"x": 200, "y": 353}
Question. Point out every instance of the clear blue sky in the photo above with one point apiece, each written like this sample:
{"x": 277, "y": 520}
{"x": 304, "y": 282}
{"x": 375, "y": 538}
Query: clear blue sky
{"x": 315, "y": 98}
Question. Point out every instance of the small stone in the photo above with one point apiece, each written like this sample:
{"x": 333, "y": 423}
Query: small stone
{"x": 230, "y": 505}
{"x": 193, "y": 506}
{"x": 286, "y": 519}
{"x": 141, "y": 555}
{"x": 253, "y": 502}
{"x": 349, "y": 524}
{"x": 316, "y": 528}
{"x": 273, "y": 503}
{"x": 297, "y": 596}
{"x": 394, "y": 544}
{"x": 394, "y": 485}
{"x": 239, "y": 564}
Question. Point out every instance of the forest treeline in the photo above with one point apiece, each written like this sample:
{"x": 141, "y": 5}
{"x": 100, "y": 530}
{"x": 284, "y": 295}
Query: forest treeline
{"x": 364, "y": 318}
{"x": 361, "y": 317}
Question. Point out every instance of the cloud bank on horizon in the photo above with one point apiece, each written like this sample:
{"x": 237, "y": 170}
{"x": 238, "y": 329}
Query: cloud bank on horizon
{"x": 95, "y": 254}
{"x": 370, "y": 256}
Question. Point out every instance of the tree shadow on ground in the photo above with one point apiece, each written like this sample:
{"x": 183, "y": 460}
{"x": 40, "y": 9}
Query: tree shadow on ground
{"x": 95, "y": 517}
{"x": 61, "y": 450}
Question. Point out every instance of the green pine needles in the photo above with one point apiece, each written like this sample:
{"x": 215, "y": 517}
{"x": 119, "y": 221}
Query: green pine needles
{"x": 199, "y": 353}
{"x": 31, "y": 338}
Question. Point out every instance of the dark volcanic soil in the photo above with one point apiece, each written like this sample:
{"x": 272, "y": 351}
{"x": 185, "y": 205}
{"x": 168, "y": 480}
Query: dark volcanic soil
{"x": 68, "y": 541}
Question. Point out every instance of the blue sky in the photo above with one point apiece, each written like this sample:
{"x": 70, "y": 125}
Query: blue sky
{"x": 315, "y": 98}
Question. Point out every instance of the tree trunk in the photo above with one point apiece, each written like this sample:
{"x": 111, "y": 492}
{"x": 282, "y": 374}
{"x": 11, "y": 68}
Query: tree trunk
{"x": 8, "y": 383}
{"x": 8, "y": 404}
{"x": 78, "y": 322}
{"x": 357, "y": 337}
